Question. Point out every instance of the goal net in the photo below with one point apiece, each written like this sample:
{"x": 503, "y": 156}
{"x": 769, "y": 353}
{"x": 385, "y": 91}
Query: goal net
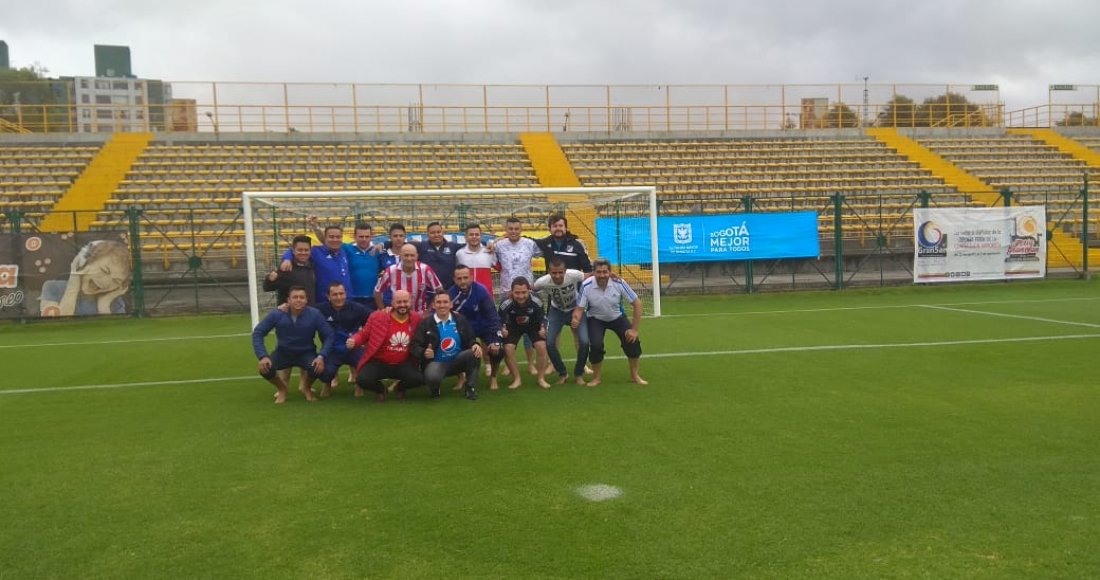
{"x": 611, "y": 221}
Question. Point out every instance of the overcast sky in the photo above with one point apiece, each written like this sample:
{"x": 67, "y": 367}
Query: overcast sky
{"x": 1021, "y": 45}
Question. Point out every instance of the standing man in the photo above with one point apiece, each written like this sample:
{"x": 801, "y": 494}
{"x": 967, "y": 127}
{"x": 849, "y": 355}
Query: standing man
{"x": 294, "y": 332}
{"x": 385, "y": 340}
{"x": 600, "y": 299}
{"x": 410, "y": 275}
{"x": 329, "y": 262}
{"x": 514, "y": 255}
{"x": 522, "y": 315}
{"x": 439, "y": 254}
{"x": 346, "y": 318}
{"x": 446, "y": 345}
{"x": 563, "y": 244}
{"x": 476, "y": 304}
{"x": 300, "y": 273}
{"x": 477, "y": 257}
{"x": 391, "y": 255}
{"x": 560, "y": 286}
{"x": 363, "y": 262}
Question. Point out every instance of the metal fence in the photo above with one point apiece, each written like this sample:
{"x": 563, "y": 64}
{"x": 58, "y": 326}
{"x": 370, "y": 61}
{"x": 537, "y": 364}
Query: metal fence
{"x": 866, "y": 240}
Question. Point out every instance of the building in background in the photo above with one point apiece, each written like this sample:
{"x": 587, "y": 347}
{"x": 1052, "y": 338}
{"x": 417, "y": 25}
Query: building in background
{"x": 115, "y": 100}
{"x": 5, "y": 64}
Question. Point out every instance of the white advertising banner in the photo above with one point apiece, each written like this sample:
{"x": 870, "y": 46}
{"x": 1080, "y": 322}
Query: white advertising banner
{"x": 989, "y": 243}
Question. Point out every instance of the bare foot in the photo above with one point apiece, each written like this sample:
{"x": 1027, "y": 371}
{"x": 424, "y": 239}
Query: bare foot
{"x": 493, "y": 385}
{"x": 461, "y": 383}
{"x": 561, "y": 380}
{"x": 532, "y": 370}
{"x": 580, "y": 381}
{"x": 280, "y": 397}
{"x": 593, "y": 383}
{"x": 308, "y": 393}
{"x": 359, "y": 392}
{"x": 544, "y": 384}
{"x": 515, "y": 384}
{"x": 504, "y": 372}
{"x": 639, "y": 380}
{"x": 587, "y": 370}
{"x": 326, "y": 391}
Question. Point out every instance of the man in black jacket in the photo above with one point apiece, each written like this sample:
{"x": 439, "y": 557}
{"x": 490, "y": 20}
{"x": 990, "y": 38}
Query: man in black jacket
{"x": 561, "y": 243}
{"x": 446, "y": 345}
{"x": 300, "y": 273}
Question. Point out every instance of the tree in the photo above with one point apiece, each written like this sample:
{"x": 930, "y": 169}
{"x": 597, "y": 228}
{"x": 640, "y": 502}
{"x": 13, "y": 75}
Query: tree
{"x": 840, "y": 115}
{"x": 33, "y": 102}
{"x": 1077, "y": 119}
{"x": 899, "y": 112}
{"x": 950, "y": 110}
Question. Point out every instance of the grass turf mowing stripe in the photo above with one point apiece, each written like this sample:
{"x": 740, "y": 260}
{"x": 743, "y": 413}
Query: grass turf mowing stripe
{"x": 129, "y": 341}
{"x": 1018, "y": 316}
{"x": 826, "y": 347}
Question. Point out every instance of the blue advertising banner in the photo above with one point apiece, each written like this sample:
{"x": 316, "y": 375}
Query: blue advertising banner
{"x": 711, "y": 238}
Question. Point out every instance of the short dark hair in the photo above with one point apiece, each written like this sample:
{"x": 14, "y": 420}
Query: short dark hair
{"x": 396, "y": 226}
{"x": 294, "y": 289}
{"x": 513, "y": 220}
{"x": 601, "y": 262}
{"x": 441, "y": 293}
{"x": 556, "y": 218}
{"x": 461, "y": 267}
{"x": 520, "y": 281}
{"x": 434, "y": 224}
{"x": 336, "y": 283}
{"x": 472, "y": 226}
{"x": 337, "y": 228}
{"x": 363, "y": 226}
{"x": 557, "y": 261}
{"x": 302, "y": 239}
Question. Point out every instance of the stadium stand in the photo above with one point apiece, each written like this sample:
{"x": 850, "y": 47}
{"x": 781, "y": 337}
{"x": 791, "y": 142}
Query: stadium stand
{"x": 33, "y": 177}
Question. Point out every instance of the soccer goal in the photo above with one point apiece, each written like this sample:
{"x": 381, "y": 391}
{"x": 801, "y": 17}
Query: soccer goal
{"x": 613, "y": 222}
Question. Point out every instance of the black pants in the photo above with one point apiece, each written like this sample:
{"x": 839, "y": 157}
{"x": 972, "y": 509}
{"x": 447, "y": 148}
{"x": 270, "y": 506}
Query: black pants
{"x": 619, "y": 326}
{"x": 371, "y": 375}
{"x": 465, "y": 362}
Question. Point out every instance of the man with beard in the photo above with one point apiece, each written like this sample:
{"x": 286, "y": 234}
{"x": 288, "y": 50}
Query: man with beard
{"x": 385, "y": 340}
{"x": 561, "y": 243}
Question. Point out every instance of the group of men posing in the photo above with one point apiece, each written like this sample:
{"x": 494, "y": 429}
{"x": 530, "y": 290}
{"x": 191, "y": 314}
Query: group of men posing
{"x": 420, "y": 312}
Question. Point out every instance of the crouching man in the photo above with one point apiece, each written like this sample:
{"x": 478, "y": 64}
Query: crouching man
{"x": 295, "y": 330}
{"x": 386, "y": 339}
{"x": 446, "y": 345}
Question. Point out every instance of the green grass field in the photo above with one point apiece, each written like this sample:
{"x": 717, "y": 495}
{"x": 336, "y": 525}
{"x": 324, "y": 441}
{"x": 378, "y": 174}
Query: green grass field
{"x": 948, "y": 432}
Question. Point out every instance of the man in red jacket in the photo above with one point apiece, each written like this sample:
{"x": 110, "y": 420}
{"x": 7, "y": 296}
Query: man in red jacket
{"x": 386, "y": 338}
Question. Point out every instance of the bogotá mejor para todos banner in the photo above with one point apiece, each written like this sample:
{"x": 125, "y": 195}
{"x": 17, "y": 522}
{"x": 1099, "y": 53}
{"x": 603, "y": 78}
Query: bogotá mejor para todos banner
{"x": 989, "y": 243}
{"x": 712, "y": 238}
{"x": 48, "y": 275}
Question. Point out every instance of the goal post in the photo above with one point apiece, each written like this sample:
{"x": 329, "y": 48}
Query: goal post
{"x": 606, "y": 219}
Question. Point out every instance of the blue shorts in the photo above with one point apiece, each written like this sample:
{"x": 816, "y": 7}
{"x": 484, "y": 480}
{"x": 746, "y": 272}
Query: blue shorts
{"x": 334, "y": 361}
{"x": 282, "y": 360}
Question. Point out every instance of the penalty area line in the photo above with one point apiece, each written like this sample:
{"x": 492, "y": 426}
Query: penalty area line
{"x": 782, "y": 349}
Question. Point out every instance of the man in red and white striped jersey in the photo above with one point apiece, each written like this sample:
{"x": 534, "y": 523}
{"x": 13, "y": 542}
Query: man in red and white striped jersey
{"x": 410, "y": 275}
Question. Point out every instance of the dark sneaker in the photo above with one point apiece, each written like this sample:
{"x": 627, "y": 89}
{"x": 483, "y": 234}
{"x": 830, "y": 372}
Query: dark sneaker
{"x": 434, "y": 394}
{"x": 471, "y": 393}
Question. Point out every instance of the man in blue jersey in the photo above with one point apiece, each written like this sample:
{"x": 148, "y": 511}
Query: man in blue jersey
{"x": 475, "y": 303}
{"x": 346, "y": 318}
{"x": 330, "y": 262}
{"x": 438, "y": 253}
{"x": 600, "y": 300}
{"x": 295, "y": 347}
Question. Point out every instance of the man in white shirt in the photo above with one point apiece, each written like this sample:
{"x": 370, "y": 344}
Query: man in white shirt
{"x": 560, "y": 288}
{"x": 514, "y": 254}
{"x": 477, "y": 257}
{"x": 600, "y": 300}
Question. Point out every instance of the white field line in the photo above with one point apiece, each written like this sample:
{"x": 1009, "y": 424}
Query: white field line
{"x": 1016, "y": 316}
{"x": 784, "y": 349}
{"x": 128, "y": 341}
{"x": 882, "y": 307}
{"x": 751, "y": 312}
